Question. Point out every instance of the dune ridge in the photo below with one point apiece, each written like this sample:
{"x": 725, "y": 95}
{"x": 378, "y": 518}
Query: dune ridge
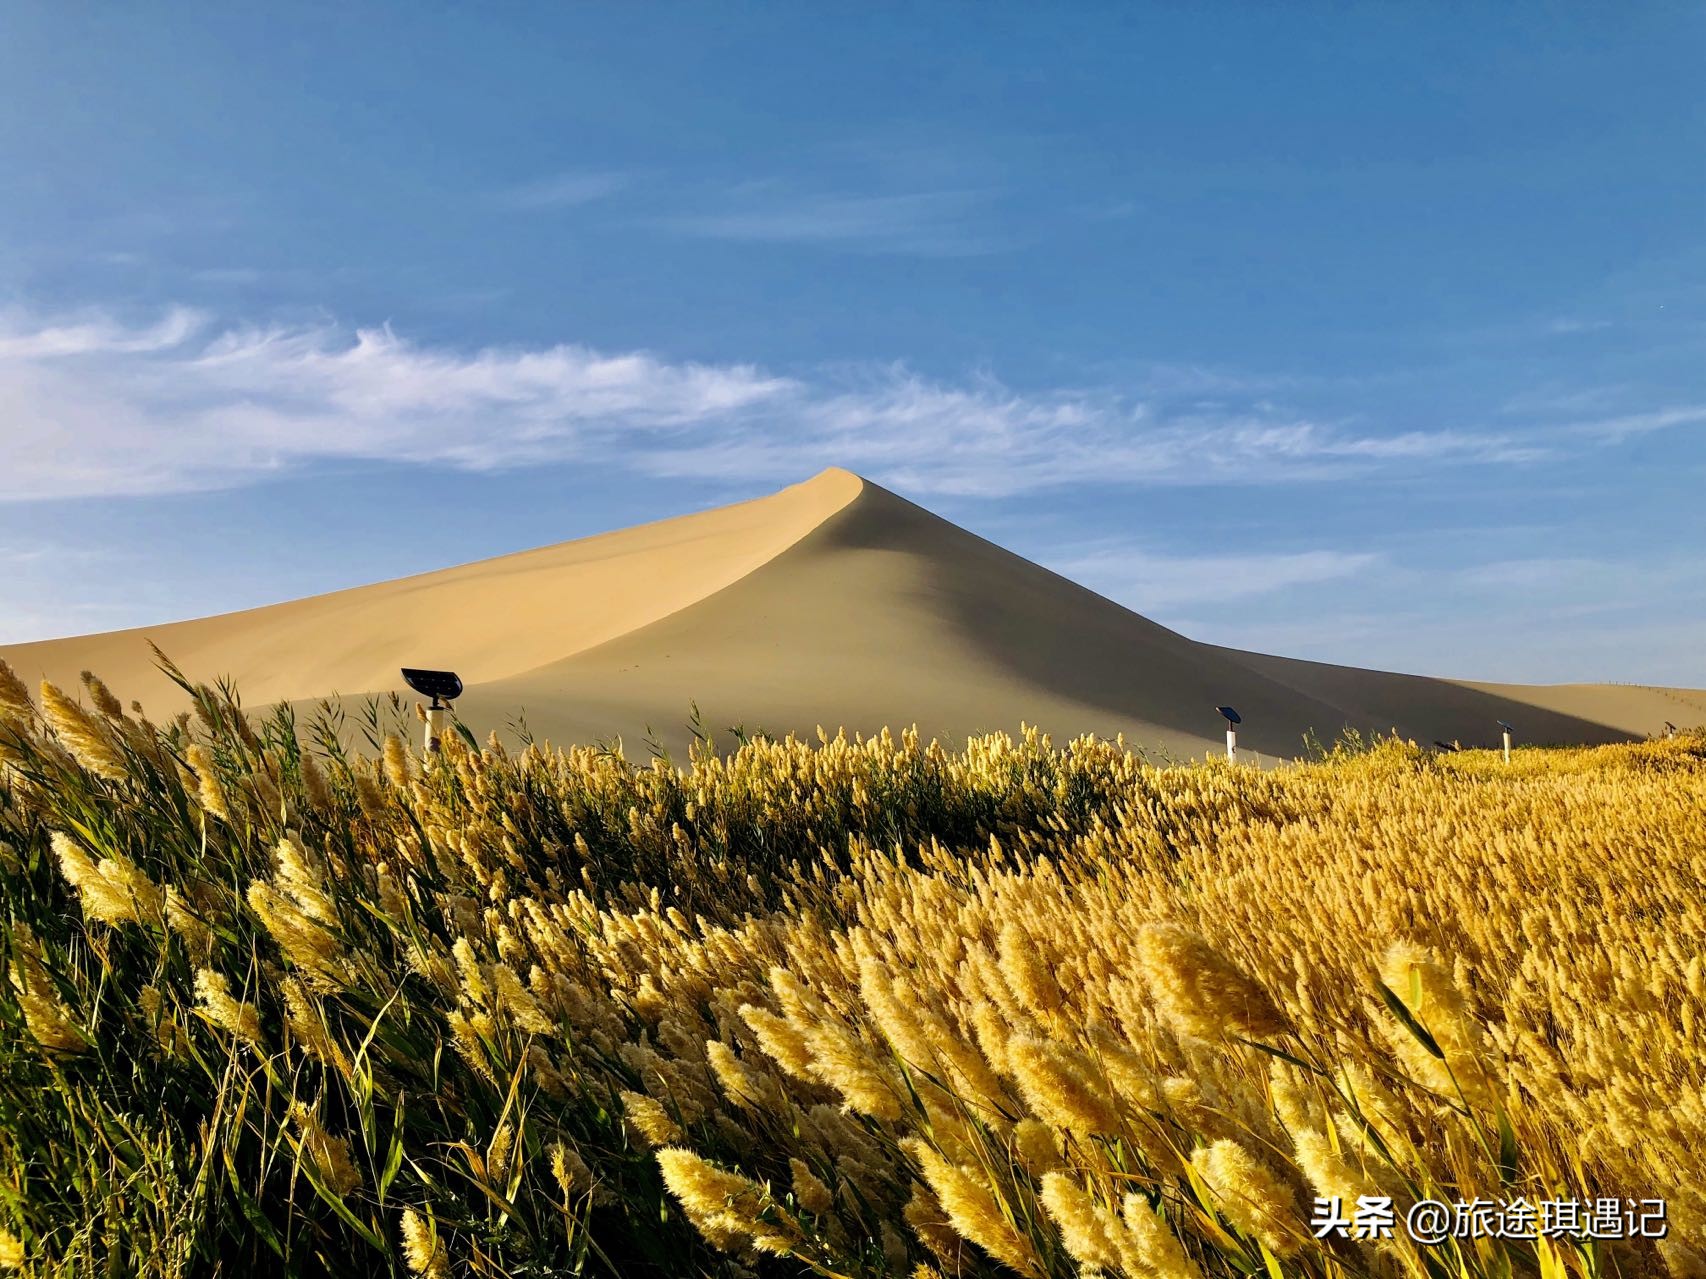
{"x": 832, "y": 603}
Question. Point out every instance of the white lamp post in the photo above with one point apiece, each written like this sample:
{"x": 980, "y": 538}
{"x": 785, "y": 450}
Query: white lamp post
{"x": 437, "y": 685}
{"x": 1508, "y": 730}
{"x": 1233, "y": 719}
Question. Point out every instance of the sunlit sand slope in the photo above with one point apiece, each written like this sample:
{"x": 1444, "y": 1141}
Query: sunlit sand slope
{"x": 489, "y": 619}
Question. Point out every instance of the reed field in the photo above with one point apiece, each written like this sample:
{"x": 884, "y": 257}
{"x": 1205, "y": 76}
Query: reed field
{"x": 277, "y": 1005}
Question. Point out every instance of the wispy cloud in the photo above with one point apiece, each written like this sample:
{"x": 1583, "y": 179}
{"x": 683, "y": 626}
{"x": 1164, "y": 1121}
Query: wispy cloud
{"x": 227, "y": 275}
{"x": 560, "y": 191}
{"x": 1536, "y": 573}
{"x": 96, "y": 405}
{"x": 920, "y": 223}
{"x": 1149, "y": 581}
{"x": 67, "y": 617}
{"x": 26, "y": 556}
{"x": 1614, "y": 430}
{"x": 36, "y": 572}
{"x": 1661, "y": 583}
{"x": 95, "y": 408}
{"x": 1567, "y": 324}
{"x": 986, "y": 440}
{"x": 1568, "y": 618}
{"x": 23, "y": 338}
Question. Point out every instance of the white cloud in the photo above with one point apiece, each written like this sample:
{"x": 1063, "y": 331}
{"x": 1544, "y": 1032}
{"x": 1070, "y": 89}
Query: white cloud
{"x": 918, "y": 223}
{"x": 1529, "y": 647}
{"x": 39, "y": 575}
{"x": 94, "y": 405}
{"x": 63, "y": 617}
{"x": 1529, "y": 619}
{"x": 1537, "y": 573}
{"x": 560, "y": 191}
{"x": 1565, "y": 324}
{"x": 1147, "y": 581}
{"x": 96, "y": 408}
{"x": 48, "y": 555}
{"x": 1614, "y": 430}
{"x": 1663, "y": 582}
{"x": 986, "y": 440}
{"x": 21, "y": 338}
{"x": 237, "y": 276}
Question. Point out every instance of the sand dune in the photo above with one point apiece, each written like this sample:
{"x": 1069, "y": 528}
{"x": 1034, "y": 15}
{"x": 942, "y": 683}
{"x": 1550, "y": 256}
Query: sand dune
{"x": 832, "y": 603}
{"x": 490, "y": 619}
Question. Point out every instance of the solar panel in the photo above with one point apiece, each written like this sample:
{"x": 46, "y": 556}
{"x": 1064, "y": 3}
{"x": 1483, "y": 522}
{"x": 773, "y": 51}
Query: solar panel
{"x": 433, "y": 684}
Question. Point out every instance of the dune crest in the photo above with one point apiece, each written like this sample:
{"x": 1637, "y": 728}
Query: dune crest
{"x": 831, "y": 603}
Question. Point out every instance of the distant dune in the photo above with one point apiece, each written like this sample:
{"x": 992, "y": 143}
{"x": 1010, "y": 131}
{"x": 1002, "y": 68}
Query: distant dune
{"x": 832, "y": 603}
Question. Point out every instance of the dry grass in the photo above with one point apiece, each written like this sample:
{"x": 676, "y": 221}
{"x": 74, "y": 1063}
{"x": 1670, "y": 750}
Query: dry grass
{"x": 858, "y": 1008}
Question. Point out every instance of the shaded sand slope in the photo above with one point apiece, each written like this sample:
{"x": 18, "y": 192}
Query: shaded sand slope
{"x": 888, "y": 615}
{"x": 832, "y": 603}
{"x": 1457, "y": 710}
{"x": 488, "y": 619}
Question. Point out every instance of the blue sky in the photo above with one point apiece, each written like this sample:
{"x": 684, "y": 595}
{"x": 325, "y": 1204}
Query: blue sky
{"x": 1366, "y": 333}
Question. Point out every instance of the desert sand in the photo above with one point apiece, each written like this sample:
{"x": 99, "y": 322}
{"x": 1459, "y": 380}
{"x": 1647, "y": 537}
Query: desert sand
{"x": 832, "y": 603}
